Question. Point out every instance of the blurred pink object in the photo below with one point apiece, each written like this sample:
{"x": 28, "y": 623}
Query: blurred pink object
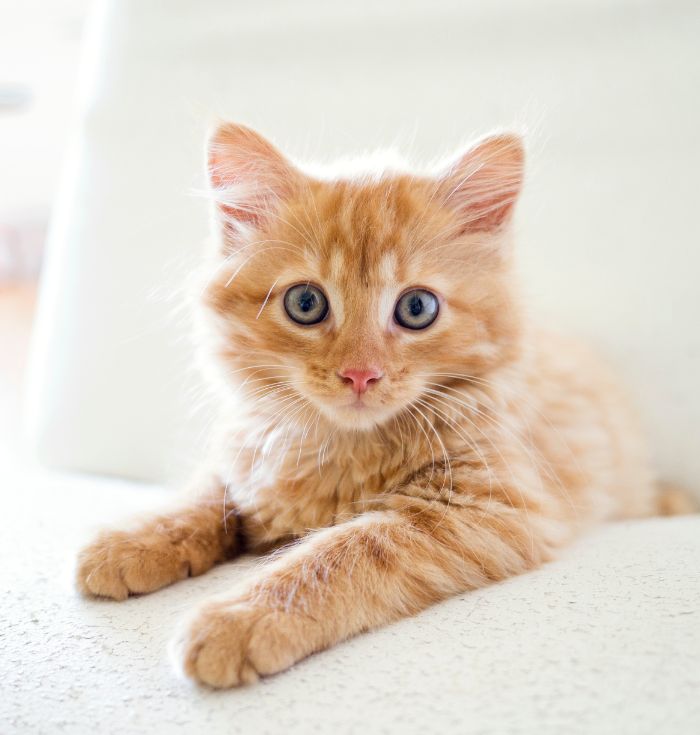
{"x": 21, "y": 248}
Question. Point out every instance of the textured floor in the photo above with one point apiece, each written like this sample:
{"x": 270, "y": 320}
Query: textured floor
{"x": 607, "y": 640}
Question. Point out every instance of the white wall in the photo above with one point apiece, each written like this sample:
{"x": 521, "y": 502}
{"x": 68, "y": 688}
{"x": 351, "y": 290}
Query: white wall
{"x": 39, "y": 51}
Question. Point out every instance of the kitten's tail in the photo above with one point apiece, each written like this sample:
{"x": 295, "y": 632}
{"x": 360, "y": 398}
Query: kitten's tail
{"x": 673, "y": 500}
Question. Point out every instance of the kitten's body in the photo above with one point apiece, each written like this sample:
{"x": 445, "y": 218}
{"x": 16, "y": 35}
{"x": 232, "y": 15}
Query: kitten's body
{"x": 482, "y": 445}
{"x": 550, "y": 432}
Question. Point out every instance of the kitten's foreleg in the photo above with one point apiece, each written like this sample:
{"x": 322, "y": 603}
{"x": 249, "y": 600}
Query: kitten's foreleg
{"x": 162, "y": 550}
{"x": 340, "y": 581}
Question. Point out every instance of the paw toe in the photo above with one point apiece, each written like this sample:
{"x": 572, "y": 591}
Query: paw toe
{"x": 96, "y": 577}
{"x": 230, "y": 644}
{"x": 117, "y": 565}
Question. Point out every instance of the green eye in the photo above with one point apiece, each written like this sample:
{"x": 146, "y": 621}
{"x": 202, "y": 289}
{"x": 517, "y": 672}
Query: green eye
{"x": 306, "y": 304}
{"x": 417, "y": 309}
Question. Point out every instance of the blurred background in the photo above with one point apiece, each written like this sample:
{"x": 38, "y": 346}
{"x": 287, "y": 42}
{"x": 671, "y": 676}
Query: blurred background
{"x": 104, "y": 107}
{"x": 39, "y": 54}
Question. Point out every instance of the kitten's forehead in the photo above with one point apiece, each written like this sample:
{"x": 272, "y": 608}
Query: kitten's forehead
{"x": 365, "y": 242}
{"x": 369, "y": 294}
{"x": 365, "y": 231}
{"x": 337, "y": 267}
{"x": 378, "y": 272}
{"x": 388, "y": 266}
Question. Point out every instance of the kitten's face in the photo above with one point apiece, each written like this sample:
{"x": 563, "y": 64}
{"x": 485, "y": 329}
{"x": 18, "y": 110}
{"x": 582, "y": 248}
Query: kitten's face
{"x": 358, "y": 297}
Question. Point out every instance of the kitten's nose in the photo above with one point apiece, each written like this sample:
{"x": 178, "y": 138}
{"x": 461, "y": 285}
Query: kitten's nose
{"x": 360, "y": 378}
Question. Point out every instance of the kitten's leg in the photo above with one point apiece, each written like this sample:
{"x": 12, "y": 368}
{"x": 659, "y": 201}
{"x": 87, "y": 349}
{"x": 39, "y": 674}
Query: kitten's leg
{"x": 161, "y": 550}
{"x": 349, "y": 578}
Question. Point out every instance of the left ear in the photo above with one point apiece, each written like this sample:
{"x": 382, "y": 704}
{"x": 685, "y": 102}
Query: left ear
{"x": 483, "y": 185}
{"x": 248, "y": 176}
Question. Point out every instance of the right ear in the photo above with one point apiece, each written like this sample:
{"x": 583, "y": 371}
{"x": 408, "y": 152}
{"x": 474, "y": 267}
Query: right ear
{"x": 483, "y": 185}
{"x": 248, "y": 176}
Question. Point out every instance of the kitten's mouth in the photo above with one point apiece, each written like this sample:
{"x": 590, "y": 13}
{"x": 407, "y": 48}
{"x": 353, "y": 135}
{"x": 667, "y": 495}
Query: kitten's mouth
{"x": 353, "y": 413}
{"x": 357, "y": 403}
{"x": 350, "y": 410}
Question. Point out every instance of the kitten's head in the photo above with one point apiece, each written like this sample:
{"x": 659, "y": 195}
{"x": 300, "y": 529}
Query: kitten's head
{"x": 356, "y": 296}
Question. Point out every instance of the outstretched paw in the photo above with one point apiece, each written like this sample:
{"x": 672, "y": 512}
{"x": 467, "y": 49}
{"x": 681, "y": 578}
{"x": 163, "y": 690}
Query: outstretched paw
{"x": 118, "y": 564}
{"x": 232, "y": 643}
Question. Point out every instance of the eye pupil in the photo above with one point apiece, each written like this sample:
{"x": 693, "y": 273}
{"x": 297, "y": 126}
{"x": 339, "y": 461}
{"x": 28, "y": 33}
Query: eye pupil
{"x": 416, "y": 305}
{"x": 307, "y": 301}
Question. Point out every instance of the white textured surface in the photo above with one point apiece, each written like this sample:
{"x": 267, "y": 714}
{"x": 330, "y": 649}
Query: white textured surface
{"x": 604, "y": 641}
{"x": 607, "y": 231}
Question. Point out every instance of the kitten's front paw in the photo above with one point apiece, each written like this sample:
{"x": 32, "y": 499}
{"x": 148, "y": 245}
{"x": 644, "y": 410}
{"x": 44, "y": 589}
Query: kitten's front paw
{"x": 233, "y": 643}
{"x": 118, "y": 564}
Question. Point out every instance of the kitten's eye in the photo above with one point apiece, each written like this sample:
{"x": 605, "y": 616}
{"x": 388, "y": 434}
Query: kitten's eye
{"x": 417, "y": 309}
{"x": 306, "y": 304}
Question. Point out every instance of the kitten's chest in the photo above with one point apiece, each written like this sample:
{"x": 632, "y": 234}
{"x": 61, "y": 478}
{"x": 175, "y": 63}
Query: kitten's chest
{"x": 314, "y": 492}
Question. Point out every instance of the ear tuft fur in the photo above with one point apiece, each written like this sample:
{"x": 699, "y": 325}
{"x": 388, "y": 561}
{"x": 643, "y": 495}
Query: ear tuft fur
{"x": 484, "y": 183}
{"x": 248, "y": 176}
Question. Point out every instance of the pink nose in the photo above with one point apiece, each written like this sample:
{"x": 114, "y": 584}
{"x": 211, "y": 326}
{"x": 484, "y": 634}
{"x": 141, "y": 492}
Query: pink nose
{"x": 360, "y": 378}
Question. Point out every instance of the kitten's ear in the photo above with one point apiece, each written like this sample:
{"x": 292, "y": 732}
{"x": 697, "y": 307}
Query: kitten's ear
{"x": 482, "y": 186}
{"x": 248, "y": 176}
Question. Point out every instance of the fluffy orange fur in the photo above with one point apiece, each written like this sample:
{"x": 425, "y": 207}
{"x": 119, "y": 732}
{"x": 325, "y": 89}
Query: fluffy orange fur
{"x": 482, "y": 447}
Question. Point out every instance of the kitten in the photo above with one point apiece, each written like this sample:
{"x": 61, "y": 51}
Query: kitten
{"x": 404, "y": 431}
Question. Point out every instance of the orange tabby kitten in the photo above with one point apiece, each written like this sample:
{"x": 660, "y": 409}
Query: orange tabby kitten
{"x": 397, "y": 423}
